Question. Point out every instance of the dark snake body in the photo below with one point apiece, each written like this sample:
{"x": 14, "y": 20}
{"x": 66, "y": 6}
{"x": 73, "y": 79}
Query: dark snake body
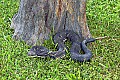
{"x": 77, "y": 44}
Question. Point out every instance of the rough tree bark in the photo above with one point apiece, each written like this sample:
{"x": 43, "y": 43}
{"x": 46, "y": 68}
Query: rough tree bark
{"x": 36, "y": 18}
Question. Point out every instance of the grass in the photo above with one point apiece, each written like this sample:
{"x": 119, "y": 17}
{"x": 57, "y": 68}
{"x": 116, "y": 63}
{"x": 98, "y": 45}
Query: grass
{"x": 103, "y": 20}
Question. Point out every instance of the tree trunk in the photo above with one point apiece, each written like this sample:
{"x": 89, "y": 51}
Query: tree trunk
{"x": 37, "y": 18}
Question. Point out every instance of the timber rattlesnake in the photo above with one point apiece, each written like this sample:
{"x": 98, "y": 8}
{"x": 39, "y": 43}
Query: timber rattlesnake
{"x": 77, "y": 44}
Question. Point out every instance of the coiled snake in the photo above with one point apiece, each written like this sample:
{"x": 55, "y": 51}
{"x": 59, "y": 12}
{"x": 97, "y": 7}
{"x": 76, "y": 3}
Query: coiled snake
{"x": 77, "y": 44}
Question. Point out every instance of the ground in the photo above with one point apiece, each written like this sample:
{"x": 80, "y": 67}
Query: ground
{"x": 103, "y": 18}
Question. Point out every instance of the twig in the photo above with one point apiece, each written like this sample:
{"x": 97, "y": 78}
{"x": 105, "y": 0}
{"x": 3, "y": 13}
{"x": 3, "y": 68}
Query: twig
{"x": 100, "y": 38}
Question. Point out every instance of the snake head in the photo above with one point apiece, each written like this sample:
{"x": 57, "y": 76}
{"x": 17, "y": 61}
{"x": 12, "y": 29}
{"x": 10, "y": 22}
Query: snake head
{"x": 38, "y": 51}
{"x": 88, "y": 40}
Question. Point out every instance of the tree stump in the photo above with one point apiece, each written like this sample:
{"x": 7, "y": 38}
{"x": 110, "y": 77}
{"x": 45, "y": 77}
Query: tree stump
{"x": 37, "y": 18}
